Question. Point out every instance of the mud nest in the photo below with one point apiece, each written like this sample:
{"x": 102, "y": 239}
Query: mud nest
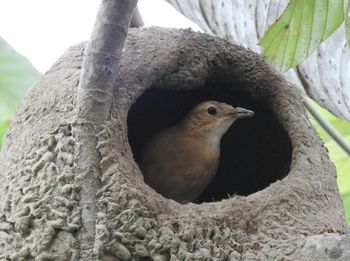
{"x": 288, "y": 201}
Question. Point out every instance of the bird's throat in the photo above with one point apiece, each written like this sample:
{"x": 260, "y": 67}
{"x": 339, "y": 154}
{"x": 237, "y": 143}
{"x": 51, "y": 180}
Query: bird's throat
{"x": 215, "y": 134}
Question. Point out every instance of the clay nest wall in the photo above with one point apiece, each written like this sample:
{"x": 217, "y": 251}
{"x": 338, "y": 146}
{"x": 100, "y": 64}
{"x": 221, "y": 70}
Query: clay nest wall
{"x": 275, "y": 187}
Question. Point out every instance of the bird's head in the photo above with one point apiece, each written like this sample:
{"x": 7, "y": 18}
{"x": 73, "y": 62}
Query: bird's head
{"x": 213, "y": 118}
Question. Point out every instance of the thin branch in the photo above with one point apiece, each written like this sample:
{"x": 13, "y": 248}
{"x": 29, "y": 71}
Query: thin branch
{"x": 94, "y": 98}
{"x": 329, "y": 129}
{"x": 136, "y": 20}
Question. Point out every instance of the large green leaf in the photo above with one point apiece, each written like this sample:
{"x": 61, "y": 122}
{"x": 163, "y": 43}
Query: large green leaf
{"x": 303, "y": 25}
{"x": 17, "y": 74}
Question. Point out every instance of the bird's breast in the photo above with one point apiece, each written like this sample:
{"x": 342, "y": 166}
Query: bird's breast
{"x": 180, "y": 167}
{"x": 199, "y": 166}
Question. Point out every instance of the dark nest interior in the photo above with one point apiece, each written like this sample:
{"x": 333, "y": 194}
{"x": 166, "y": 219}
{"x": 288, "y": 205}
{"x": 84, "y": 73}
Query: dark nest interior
{"x": 255, "y": 152}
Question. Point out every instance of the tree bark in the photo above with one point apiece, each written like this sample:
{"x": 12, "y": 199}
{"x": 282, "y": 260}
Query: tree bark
{"x": 94, "y": 98}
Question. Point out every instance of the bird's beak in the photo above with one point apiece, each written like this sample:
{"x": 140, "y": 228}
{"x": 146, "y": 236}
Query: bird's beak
{"x": 242, "y": 113}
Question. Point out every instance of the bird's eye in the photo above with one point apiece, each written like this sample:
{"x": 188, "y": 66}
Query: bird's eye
{"x": 211, "y": 110}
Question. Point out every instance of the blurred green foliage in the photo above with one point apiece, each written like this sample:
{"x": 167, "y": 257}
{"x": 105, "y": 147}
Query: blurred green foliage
{"x": 339, "y": 157}
{"x": 346, "y": 201}
{"x": 17, "y": 74}
{"x": 347, "y": 23}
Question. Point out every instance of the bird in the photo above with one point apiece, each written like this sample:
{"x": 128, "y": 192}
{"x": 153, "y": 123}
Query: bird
{"x": 180, "y": 161}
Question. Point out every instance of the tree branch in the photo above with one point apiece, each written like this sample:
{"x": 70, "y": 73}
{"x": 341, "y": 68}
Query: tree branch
{"x": 328, "y": 128}
{"x": 101, "y": 58}
{"x": 94, "y": 98}
{"x": 136, "y": 20}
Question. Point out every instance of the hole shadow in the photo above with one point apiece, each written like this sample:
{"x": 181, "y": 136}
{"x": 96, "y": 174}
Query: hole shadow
{"x": 255, "y": 152}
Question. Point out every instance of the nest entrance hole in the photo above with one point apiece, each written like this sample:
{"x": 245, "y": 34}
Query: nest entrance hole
{"x": 255, "y": 152}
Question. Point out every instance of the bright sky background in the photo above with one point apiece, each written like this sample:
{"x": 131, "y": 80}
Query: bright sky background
{"x": 43, "y": 29}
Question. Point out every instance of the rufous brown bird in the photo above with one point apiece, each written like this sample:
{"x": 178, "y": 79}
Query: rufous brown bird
{"x": 179, "y": 162}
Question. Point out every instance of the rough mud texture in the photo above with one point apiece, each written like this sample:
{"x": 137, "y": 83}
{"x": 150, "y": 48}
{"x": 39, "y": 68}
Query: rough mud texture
{"x": 40, "y": 212}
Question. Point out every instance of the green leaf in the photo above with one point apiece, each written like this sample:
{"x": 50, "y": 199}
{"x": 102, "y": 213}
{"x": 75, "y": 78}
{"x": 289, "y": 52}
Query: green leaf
{"x": 301, "y": 28}
{"x": 347, "y": 24}
{"x": 17, "y": 74}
